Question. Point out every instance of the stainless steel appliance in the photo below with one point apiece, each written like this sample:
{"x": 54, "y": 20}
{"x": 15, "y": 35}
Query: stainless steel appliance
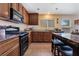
{"x": 16, "y": 16}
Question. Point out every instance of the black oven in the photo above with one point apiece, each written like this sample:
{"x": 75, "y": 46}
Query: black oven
{"x": 23, "y": 42}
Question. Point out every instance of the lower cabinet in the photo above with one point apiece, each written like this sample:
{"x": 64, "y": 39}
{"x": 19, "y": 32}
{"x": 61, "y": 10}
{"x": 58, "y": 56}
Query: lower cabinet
{"x": 47, "y": 36}
{"x": 38, "y": 36}
{"x": 10, "y": 47}
{"x": 14, "y": 51}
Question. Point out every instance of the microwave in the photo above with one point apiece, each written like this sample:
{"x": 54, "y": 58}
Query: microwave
{"x": 16, "y": 16}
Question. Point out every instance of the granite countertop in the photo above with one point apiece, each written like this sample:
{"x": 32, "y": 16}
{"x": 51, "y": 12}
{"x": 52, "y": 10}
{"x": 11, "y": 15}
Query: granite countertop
{"x": 69, "y": 36}
{"x": 40, "y": 30}
{"x": 7, "y": 36}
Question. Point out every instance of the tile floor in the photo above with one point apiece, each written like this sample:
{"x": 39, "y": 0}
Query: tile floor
{"x": 39, "y": 49}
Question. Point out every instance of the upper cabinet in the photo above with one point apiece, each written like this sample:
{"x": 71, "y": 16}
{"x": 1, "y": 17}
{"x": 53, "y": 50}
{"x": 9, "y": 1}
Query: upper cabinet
{"x": 20, "y": 9}
{"x": 15, "y": 6}
{"x": 76, "y": 22}
{"x": 4, "y": 10}
{"x": 26, "y": 16}
{"x": 33, "y": 18}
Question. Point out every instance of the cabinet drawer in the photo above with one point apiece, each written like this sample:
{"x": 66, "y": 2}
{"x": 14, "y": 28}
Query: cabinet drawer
{"x": 5, "y": 46}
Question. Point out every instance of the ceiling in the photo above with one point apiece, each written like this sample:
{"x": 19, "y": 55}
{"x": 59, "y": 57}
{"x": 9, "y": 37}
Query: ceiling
{"x": 52, "y": 8}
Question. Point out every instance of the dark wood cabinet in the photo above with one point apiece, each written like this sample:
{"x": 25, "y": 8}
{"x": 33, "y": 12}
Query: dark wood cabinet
{"x": 26, "y": 16}
{"x": 36, "y": 36}
{"x": 47, "y": 36}
{"x": 41, "y": 36}
{"x": 14, "y": 51}
{"x": 10, "y": 47}
{"x": 20, "y": 9}
{"x": 15, "y": 6}
{"x": 33, "y": 18}
{"x": 76, "y": 22}
{"x": 4, "y": 10}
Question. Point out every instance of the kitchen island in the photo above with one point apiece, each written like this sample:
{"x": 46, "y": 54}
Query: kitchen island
{"x": 69, "y": 39}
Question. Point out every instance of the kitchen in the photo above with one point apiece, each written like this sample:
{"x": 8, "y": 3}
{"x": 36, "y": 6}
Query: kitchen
{"x": 23, "y": 25}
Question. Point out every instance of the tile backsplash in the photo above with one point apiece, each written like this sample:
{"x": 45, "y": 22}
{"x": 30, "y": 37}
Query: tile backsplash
{"x": 76, "y": 27}
{"x": 25, "y": 26}
{"x": 6, "y": 23}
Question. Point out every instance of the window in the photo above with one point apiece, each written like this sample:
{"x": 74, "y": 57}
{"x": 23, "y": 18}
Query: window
{"x": 66, "y": 25}
{"x": 47, "y": 23}
{"x": 43, "y": 23}
{"x": 65, "y": 22}
{"x": 50, "y": 23}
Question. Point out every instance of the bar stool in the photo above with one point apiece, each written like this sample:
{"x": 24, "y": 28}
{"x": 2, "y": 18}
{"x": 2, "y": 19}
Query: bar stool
{"x": 60, "y": 47}
{"x": 56, "y": 43}
{"x": 65, "y": 50}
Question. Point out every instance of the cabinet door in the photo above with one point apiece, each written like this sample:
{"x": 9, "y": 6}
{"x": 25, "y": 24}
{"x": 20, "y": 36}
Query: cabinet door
{"x": 15, "y": 6}
{"x": 47, "y": 36}
{"x": 4, "y": 9}
{"x": 33, "y": 36}
{"x": 40, "y": 37}
{"x": 36, "y": 37}
{"x": 8, "y": 47}
{"x": 20, "y": 9}
{"x": 33, "y": 19}
{"x": 76, "y": 22}
{"x": 14, "y": 51}
{"x": 26, "y": 16}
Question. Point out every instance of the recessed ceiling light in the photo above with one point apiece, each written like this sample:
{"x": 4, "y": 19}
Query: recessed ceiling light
{"x": 56, "y": 8}
{"x": 38, "y": 9}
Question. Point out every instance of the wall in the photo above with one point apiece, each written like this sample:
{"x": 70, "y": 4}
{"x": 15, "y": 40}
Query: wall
{"x": 44, "y": 16}
{"x": 76, "y": 26}
{"x": 54, "y": 17}
{"x": 49, "y": 17}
